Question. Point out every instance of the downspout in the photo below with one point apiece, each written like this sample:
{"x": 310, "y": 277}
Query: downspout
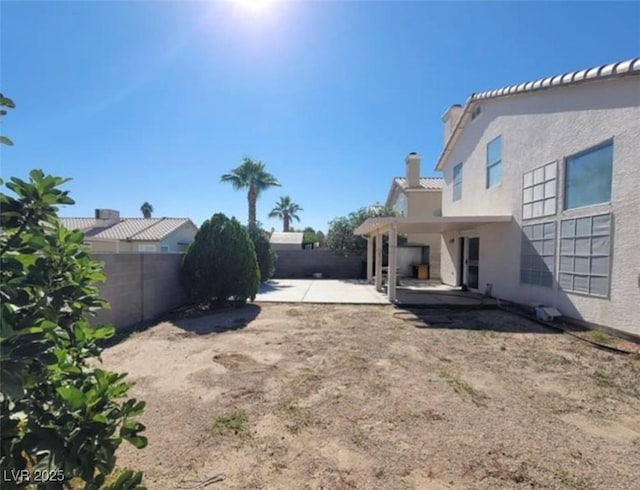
{"x": 142, "y": 287}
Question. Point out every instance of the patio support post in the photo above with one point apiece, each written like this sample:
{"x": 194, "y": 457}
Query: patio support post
{"x": 393, "y": 262}
{"x": 370, "y": 258}
{"x": 378, "y": 260}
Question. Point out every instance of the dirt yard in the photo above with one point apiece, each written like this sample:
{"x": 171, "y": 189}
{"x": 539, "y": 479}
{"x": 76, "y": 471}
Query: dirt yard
{"x": 371, "y": 397}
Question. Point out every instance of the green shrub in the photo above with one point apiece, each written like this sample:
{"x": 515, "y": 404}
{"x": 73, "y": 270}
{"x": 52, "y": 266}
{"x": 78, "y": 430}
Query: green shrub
{"x": 264, "y": 253}
{"x": 59, "y": 411}
{"x": 220, "y": 264}
{"x": 341, "y": 238}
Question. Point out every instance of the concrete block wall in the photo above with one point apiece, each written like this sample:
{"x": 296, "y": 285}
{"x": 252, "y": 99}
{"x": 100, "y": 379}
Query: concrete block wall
{"x": 293, "y": 264}
{"x": 139, "y": 287}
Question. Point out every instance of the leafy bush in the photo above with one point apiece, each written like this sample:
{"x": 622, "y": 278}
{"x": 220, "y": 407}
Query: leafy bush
{"x": 340, "y": 237}
{"x": 59, "y": 411}
{"x": 265, "y": 254}
{"x": 220, "y": 264}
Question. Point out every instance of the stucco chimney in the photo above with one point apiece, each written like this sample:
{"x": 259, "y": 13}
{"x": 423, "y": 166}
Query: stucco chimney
{"x": 412, "y": 168}
{"x": 450, "y": 118}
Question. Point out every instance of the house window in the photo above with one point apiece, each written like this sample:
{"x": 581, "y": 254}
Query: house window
{"x": 494, "y": 162}
{"x": 164, "y": 248}
{"x": 539, "y": 192}
{"x": 537, "y": 254}
{"x": 588, "y": 177}
{"x": 400, "y": 206}
{"x": 457, "y": 182}
{"x": 146, "y": 248}
{"x": 585, "y": 255}
{"x": 476, "y": 112}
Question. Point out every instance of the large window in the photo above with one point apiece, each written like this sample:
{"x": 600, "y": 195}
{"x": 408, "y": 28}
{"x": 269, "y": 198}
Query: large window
{"x": 539, "y": 192}
{"x": 537, "y": 254}
{"x": 457, "y": 182}
{"x": 588, "y": 177}
{"x": 400, "y": 206}
{"x": 494, "y": 162}
{"x": 585, "y": 247}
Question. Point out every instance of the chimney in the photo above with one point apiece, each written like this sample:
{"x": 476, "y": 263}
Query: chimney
{"x": 413, "y": 169}
{"x": 110, "y": 216}
{"x": 450, "y": 118}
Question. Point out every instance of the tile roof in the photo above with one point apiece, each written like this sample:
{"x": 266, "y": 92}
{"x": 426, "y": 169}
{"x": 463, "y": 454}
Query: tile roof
{"x": 135, "y": 229}
{"x": 429, "y": 183}
{"x": 80, "y": 224}
{"x": 290, "y": 237}
{"x": 596, "y": 73}
{"x": 628, "y": 67}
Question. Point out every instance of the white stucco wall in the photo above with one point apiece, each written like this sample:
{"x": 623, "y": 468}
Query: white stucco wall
{"x": 185, "y": 234}
{"x": 422, "y": 203}
{"x": 536, "y": 129}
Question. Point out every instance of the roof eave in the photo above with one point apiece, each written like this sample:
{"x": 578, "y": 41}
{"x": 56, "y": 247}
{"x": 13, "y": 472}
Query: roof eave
{"x": 571, "y": 79}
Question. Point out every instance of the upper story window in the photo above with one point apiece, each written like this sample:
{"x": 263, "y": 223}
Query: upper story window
{"x": 457, "y": 182}
{"x": 588, "y": 177}
{"x": 400, "y": 206}
{"x": 539, "y": 192}
{"x": 476, "y": 112}
{"x": 494, "y": 162}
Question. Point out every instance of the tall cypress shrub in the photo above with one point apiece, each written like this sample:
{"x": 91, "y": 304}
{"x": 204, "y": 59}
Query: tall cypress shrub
{"x": 220, "y": 264}
{"x": 264, "y": 252}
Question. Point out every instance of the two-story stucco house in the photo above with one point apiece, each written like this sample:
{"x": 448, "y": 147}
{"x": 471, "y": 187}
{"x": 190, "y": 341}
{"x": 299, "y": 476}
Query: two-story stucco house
{"x": 108, "y": 232}
{"x": 415, "y": 196}
{"x": 541, "y": 195}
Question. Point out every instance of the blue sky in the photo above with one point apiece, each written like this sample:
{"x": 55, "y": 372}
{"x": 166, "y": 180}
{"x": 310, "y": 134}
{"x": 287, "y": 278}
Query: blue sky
{"x": 154, "y": 101}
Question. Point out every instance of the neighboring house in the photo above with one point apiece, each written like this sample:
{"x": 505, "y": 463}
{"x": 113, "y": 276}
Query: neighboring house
{"x": 290, "y": 240}
{"x": 107, "y": 232}
{"x": 414, "y": 196}
{"x": 541, "y": 200}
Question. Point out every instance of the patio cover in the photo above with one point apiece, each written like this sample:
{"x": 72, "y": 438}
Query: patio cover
{"x": 427, "y": 224}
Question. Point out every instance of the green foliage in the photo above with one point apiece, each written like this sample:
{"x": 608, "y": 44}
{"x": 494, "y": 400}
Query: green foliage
{"x": 5, "y": 102}
{"x": 265, "y": 254}
{"x": 286, "y": 210}
{"x": 235, "y": 423}
{"x": 146, "y": 209}
{"x": 312, "y": 236}
{"x": 340, "y": 236}
{"x": 220, "y": 264}
{"x": 60, "y": 411}
{"x": 251, "y": 175}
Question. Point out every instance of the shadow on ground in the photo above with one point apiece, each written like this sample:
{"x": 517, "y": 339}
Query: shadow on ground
{"x": 470, "y": 319}
{"x": 267, "y": 287}
{"x": 218, "y": 321}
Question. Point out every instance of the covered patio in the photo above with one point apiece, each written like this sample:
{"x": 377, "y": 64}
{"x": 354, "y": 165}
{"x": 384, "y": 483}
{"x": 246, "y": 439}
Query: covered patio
{"x": 374, "y": 229}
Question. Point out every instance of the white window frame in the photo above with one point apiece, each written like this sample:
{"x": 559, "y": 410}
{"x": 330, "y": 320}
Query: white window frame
{"x": 570, "y": 237}
{"x": 497, "y": 163}
{"x": 457, "y": 196}
{"x": 538, "y": 251}
{"x": 540, "y": 192}
{"x": 566, "y": 175}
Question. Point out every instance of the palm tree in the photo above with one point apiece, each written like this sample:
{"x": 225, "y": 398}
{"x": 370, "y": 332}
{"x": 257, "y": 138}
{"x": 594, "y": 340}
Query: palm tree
{"x": 251, "y": 175}
{"x": 146, "y": 209}
{"x": 286, "y": 210}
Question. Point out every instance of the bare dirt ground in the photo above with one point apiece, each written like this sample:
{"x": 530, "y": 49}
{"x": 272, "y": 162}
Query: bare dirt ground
{"x": 340, "y": 397}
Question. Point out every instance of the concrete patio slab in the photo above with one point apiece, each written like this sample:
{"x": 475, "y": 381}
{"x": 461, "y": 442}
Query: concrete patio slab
{"x": 351, "y": 291}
